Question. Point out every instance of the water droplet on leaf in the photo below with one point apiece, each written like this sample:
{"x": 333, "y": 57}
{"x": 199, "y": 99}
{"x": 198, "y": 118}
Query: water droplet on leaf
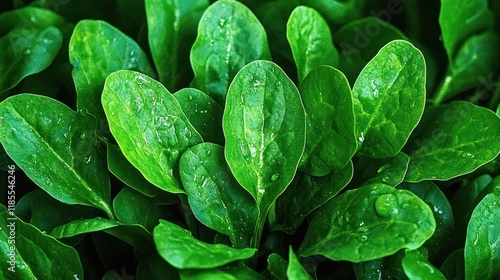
{"x": 275, "y": 177}
{"x": 386, "y": 205}
{"x": 384, "y": 167}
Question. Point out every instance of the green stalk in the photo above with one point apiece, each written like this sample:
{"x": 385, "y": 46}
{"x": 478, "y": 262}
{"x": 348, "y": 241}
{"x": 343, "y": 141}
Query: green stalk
{"x": 188, "y": 215}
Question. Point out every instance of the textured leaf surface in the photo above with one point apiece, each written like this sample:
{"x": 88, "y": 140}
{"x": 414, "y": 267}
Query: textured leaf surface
{"x": 97, "y": 49}
{"x": 215, "y": 197}
{"x": 389, "y": 97}
{"x": 149, "y": 126}
{"x": 180, "y": 249}
{"x": 330, "y": 140}
{"x": 229, "y": 37}
{"x": 171, "y": 26}
{"x": 132, "y": 207}
{"x": 295, "y": 270}
{"x": 452, "y": 140}
{"x": 264, "y": 126}
{"x": 482, "y": 251}
{"x": 230, "y": 273}
{"x": 311, "y": 41}
{"x": 367, "y": 223}
{"x": 36, "y": 255}
{"x": 416, "y": 266}
{"x": 390, "y": 171}
{"x": 57, "y": 148}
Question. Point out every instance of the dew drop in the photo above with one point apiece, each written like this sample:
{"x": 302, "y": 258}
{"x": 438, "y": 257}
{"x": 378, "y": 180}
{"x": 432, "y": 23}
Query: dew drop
{"x": 412, "y": 105}
{"x": 384, "y": 168}
{"x": 256, "y": 83}
{"x": 83, "y": 136}
{"x": 361, "y": 138}
{"x": 262, "y": 191}
{"x": 275, "y": 177}
{"x": 27, "y": 51}
{"x": 48, "y": 182}
{"x": 87, "y": 159}
{"x": 222, "y": 22}
{"x": 375, "y": 89}
{"x": 190, "y": 97}
{"x": 362, "y": 238}
{"x": 386, "y": 205}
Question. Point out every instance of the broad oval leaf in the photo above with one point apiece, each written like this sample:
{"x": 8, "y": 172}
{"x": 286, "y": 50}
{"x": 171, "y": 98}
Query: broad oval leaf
{"x": 215, "y": 197}
{"x": 337, "y": 12}
{"x": 229, "y": 36}
{"x": 390, "y": 171}
{"x": 330, "y": 140}
{"x": 171, "y": 28}
{"x": 276, "y": 266}
{"x": 452, "y": 140}
{"x": 27, "y": 51}
{"x": 97, "y": 49}
{"x": 264, "y": 126}
{"x": 482, "y": 253}
{"x": 149, "y": 126}
{"x": 203, "y": 112}
{"x": 134, "y": 208}
{"x": 180, "y": 249}
{"x": 27, "y": 253}
{"x": 389, "y": 98}
{"x": 226, "y": 273}
{"x": 417, "y": 267}
{"x": 295, "y": 270}
{"x": 57, "y": 148}
{"x": 310, "y": 40}
{"x": 368, "y": 223}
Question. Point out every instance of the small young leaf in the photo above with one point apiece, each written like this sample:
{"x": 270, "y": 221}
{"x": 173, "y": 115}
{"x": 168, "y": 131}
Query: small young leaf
{"x": 229, "y": 273}
{"x": 311, "y": 41}
{"x": 171, "y": 28}
{"x": 390, "y": 171}
{"x": 482, "y": 253}
{"x": 452, "y": 140}
{"x": 57, "y": 148}
{"x": 295, "y": 270}
{"x": 180, "y": 249}
{"x": 330, "y": 140}
{"x": 215, "y": 197}
{"x": 132, "y": 207}
{"x": 264, "y": 125}
{"x": 229, "y": 36}
{"x": 389, "y": 97}
{"x": 416, "y": 266}
{"x": 97, "y": 49}
{"x": 203, "y": 112}
{"x": 453, "y": 266}
{"x": 309, "y": 193}
{"x": 276, "y": 266}
{"x": 149, "y": 126}
{"x": 367, "y": 223}
{"x": 33, "y": 254}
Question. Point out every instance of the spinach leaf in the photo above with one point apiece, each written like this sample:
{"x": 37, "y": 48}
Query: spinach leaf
{"x": 330, "y": 140}
{"x": 18, "y": 243}
{"x": 389, "y": 97}
{"x": 389, "y": 267}
{"x": 367, "y": 223}
{"x": 416, "y": 266}
{"x": 264, "y": 126}
{"x": 57, "y": 148}
{"x": 482, "y": 254}
{"x": 337, "y": 11}
{"x": 443, "y": 147}
{"x": 149, "y": 126}
{"x": 310, "y": 40}
{"x": 453, "y": 266}
{"x": 97, "y": 49}
{"x": 180, "y": 249}
{"x": 171, "y": 26}
{"x": 390, "y": 171}
{"x": 227, "y": 273}
{"x": 215, "y": 197}
{"x": 229, "y": 36}
{"x": 154, "y": 267}
{"x": 276, "y": 266}
{"x": 295, "y": 271}
{"x": 132, "y": 207}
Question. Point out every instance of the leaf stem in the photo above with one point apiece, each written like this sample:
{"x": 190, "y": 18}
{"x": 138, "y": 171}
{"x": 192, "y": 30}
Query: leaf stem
{"x": 495, "y": 99}
{"x": 188, "y": 215}
{"x": 442, "y": 91}
{"x": 257, "y": 235}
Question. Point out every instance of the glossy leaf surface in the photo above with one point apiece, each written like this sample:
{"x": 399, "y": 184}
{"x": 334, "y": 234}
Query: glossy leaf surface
{"x": 416, "y": 266}
{"x": 295, "y": 270}
{"x": 149, "y": 126}
{"x": 390, "y": 171}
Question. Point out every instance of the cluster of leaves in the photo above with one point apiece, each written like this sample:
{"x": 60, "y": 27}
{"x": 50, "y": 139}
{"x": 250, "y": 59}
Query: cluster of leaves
{"x": 341, "y": 147}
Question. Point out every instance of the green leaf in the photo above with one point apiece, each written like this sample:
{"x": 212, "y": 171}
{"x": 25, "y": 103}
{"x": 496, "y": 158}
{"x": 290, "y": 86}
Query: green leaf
{"x": 27, "y": 253}
{"x": 443, "y": 214}
{"x": 264, "y": 126}
{"x": 461, "y": 19}
{"x": 26, "y": 52}
{"x": 330, "y": 140}
{"x": 367, "y": 223}
{"x": 384, "y": 268}
{"x": 149, "y": 126}
{"x": 229, "y": 37}
{"x": 132, "y": 207}
{"x": 482, "y": 253}
{"x": 310, "y": 40}
{"x": 453, "y": 266}
{"x": 171, "y": 28}
{"x": 389, "y": 97}
{"x": 416, "y": 266}
{"x": 452, "y": 140}
{"x": 57, "y": 148}
{"x": 203, "y": 112}
{"x": 309, "y": 193}
{"x": 390, "y": 171}
{"x": 119, "y": 166}
{"x": 154, "y": 267}
{"x": 277, "y": 266}
{"x": 97, "y": 49}
{"x": 295, "y": 270}
{"x": 135, "y": 235}
{"x": 337, "y": 12}
{"x": 360, "y": 40}
{"x": 215, "y": 197}
{"x": 180, "y": 249}
{"x": 229, "y": 273}
{"x": 37, "y": 205}
{"x": 29, "y": 17}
